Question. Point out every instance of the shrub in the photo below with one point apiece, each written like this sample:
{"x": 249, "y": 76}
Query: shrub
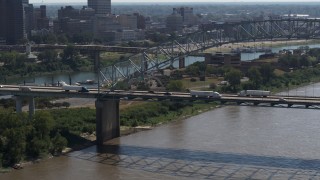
{"x": 193, "y": 79}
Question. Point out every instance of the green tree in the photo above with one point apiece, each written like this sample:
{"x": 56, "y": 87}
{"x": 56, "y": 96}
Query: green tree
{"x": 267, "y": 72}
{"x": 255, "y": 77}
{"x": 175, "y": 85}
{"x": 62, "y": 39}
{"x": 48, "y": 55}
{"x": 233, "y": 77}
{"x": 193, "y": 70}
{"x": 58, "y": 143}
{"x": 66, "y": 104}
{"x": 14, "y": 145}
{"x": 43, "y": 123}
{"x": 37, "y": 147}
{"x": 69, "y": 53}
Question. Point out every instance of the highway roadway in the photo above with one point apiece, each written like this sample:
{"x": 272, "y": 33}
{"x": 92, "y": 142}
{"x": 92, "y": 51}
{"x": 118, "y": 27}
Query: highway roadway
{"x": 40, "y": 91}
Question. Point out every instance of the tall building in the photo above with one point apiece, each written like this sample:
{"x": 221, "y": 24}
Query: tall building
{"x": 3, "y": 24}
{"x": 12, "y": 21}
{"x": 174, "y": 21}
{"x": 188, "y": 17}
{"x": 128, "y": 21}
{"x": 100, "y": 6}
{"x": 28, "y": 19}
{"x": 40, "y": 18}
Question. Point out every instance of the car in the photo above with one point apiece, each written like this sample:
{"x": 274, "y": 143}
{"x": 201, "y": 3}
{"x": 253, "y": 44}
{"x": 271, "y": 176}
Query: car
{"x": 1, "y": 86}
{"x": 167, "y": 93}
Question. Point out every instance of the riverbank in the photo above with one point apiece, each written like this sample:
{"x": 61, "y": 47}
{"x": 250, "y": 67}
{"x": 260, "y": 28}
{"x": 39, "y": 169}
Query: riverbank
{"x": 266, "y": 44}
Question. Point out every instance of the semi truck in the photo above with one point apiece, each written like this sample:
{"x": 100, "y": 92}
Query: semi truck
{"x": 211, "y": 94}
{"x": 258, "y": 93}
{"x": 68, "y": 88}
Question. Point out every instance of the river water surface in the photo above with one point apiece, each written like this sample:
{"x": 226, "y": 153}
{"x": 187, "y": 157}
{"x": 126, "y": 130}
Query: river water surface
{"x": 231, "y": 142}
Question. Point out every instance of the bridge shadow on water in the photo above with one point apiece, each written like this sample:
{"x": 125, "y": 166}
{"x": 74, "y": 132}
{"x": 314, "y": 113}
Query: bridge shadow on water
{"x": 201, "y": 164}
{"x": 279, "y": 106}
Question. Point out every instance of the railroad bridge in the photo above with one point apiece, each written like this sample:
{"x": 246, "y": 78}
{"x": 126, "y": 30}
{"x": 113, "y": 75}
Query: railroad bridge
{"x": 147, "y": 62}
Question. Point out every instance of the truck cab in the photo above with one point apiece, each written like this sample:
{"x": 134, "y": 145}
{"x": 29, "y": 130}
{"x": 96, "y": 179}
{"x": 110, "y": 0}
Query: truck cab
{"x": 242, "y": 93}
{"x": 84, "y": 89}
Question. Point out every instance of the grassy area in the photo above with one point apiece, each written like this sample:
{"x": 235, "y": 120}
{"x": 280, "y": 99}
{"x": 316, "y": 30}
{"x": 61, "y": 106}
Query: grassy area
{"x": 109, "y": 58}
{"x": 198, "y": 85}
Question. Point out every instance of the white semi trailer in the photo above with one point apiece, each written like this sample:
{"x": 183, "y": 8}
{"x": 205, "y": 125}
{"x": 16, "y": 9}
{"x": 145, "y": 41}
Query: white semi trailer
{"x": 68, "y": 88}
{"x": 211, "y": 94}
{"x": 259, "y": 93}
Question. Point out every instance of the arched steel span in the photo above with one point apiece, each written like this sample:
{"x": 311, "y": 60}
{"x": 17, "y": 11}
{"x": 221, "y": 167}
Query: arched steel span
{"x": 209, "y": 35}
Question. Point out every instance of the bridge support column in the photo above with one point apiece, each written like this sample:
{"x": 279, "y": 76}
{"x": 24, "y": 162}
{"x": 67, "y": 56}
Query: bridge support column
{"x": 18, "y": 104}
{"x": 182, "y": 62}
{"x": 107, "y": 120}
{"x": 19, "y": 100}
{"x": 31, "y": 107}
{"x": 96, "y": 56}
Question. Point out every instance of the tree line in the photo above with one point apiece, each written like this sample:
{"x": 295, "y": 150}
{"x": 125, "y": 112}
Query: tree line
{"x": 14, "y": 63}
{"x": 22, "y": 139}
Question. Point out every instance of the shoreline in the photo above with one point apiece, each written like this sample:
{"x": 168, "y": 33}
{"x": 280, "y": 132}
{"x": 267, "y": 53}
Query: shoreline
{"x": 124, "y": 131}
{"x": 271, "y": 44}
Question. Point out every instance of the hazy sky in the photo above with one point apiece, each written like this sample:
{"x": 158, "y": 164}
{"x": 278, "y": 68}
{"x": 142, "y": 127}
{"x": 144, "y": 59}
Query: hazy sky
{"x": 161, "y": 1}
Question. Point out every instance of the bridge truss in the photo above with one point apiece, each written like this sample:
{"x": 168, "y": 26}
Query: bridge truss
{"x": 146, "y": 63}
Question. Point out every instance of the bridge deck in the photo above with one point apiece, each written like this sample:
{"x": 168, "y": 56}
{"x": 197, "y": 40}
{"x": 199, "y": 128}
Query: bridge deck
{"x": 37, "y": 91}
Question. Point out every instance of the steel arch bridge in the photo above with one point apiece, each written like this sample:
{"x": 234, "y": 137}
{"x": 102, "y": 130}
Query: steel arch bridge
{"x": 145, "y": 63}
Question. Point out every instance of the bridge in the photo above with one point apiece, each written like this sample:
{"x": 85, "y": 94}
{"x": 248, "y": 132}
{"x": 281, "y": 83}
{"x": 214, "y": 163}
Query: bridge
{"x": 148, "y": 61}
{"x": 143, "y": 65}
{"x": 107, "y": 102}
{"x": 41, "y": 47}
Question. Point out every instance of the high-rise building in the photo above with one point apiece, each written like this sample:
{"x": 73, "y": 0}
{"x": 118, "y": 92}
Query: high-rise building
{"x": 3, "y": 24}
{"x": 141, "y": 21}
{"x": 100, "y": 6}
{"x": 28, "y": 19}
{"x": 40, "y": 18}
{"x": 12, "y": 21}
{"x": 128, "y": 21}
{"x": 174, "y": 21}
{"x": 188, "y": 17}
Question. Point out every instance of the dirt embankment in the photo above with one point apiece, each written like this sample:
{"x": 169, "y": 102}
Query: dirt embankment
{"x": 266, "y": 44}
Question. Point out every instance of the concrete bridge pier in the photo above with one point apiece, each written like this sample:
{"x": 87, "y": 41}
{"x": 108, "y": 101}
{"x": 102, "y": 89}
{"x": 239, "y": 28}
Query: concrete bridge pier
{"x": 32, "y": 108}
{"x": 18, "y": 104}
{"x": 107, "y": 120}
{"x": 19, "y": 100}
{"x": 182, "y": 62}
{"x": 96, "y": 57}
